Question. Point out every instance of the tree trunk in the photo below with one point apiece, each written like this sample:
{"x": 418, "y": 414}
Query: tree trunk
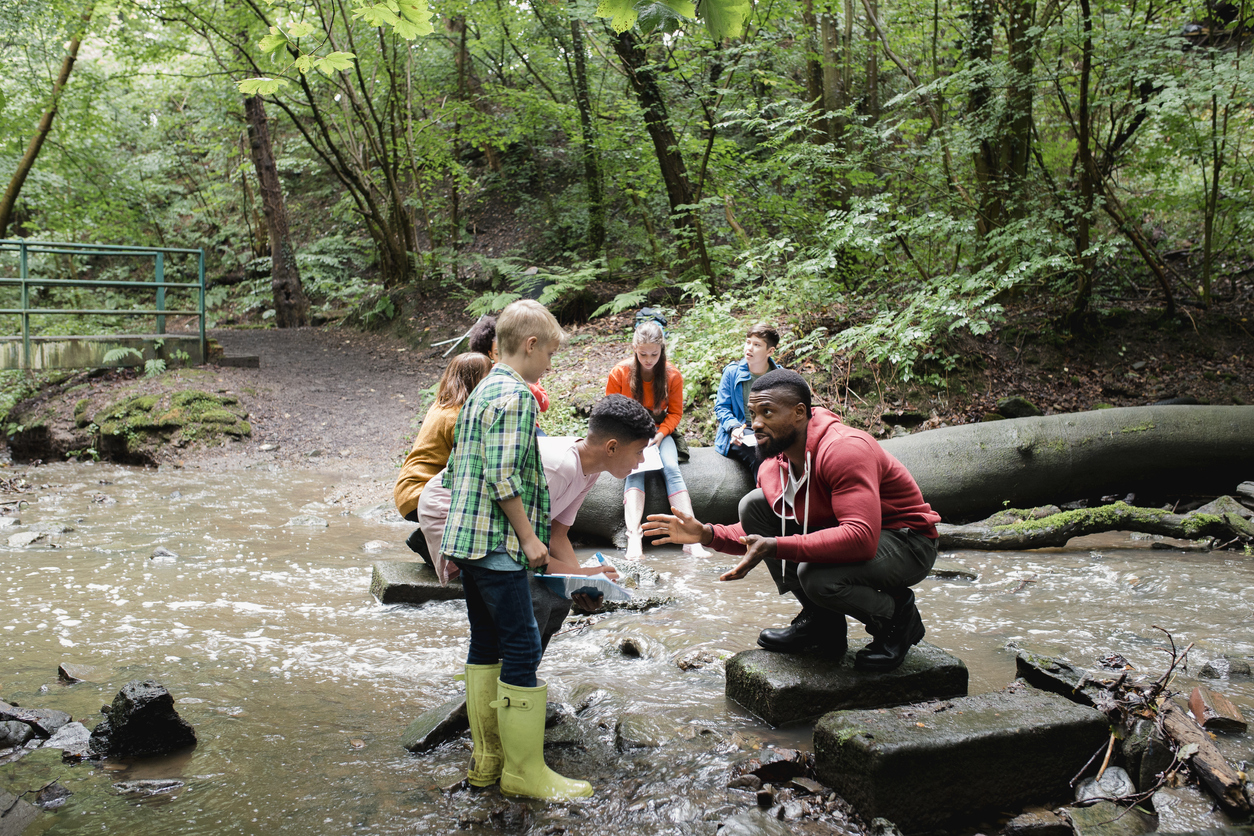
{"x": 588, "y": 143}
{"x": 1084, "y": 281}
{"x": 979, "y": 54}
{"x": 684, "y": 218}
{"x": 291, "y": 306}
{"x": 24, "y": 165}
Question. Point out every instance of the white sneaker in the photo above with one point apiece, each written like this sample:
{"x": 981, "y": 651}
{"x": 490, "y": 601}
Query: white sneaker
{"x": 696, "y": 550}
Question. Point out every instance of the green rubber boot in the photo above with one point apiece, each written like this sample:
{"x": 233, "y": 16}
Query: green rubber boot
{"x": 520, "y": 718}
{"x": 487, "y": 759}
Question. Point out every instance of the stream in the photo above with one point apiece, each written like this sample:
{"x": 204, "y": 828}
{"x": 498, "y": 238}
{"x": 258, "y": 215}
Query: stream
{"x": 299, "y": 683}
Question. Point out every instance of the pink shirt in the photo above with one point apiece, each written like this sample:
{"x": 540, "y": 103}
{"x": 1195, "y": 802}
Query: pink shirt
{"x": 567, "y": 483}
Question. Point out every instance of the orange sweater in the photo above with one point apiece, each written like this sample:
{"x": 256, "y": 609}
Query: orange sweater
{"x": 428, "y": 456}
{"x": 620, "y": 384}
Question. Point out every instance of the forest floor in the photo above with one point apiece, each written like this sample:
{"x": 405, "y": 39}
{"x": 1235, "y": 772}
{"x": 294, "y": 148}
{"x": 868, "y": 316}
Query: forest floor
{"x": 350, "y": 402}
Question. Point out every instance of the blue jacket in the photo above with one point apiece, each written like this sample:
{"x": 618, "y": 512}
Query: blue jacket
{"x": 729, "y": 405}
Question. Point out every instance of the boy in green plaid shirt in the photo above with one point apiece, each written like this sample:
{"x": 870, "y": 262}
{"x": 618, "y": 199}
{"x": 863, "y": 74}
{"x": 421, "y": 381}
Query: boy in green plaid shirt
{"x": 498, "y": 527}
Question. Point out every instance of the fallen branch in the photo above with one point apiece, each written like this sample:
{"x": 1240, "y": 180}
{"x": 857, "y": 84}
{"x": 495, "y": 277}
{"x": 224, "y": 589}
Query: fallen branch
{"x": 1209, "y": 765}
{"x": 1037, "y": 528}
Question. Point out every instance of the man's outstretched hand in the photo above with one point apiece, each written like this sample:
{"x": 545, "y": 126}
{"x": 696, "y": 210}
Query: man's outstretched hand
{"x": 679, "y": 529}
{"x": 757, "y": 549}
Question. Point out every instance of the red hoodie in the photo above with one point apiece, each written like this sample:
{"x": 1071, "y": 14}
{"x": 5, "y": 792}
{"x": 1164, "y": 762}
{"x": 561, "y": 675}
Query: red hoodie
{"x": 855, "y": 491}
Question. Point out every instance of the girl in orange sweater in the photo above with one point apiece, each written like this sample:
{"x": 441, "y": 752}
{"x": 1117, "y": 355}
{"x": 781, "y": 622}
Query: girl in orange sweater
{"x": 647, "y": 377}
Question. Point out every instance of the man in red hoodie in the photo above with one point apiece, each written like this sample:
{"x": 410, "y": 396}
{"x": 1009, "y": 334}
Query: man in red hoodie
{"x": 840, "y": 523}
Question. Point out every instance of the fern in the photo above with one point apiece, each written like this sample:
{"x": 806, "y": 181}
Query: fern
{"x": 118, "y": 355}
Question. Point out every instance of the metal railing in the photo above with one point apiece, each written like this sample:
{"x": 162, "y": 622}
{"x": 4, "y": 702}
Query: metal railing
{"x": 25, "y": 249}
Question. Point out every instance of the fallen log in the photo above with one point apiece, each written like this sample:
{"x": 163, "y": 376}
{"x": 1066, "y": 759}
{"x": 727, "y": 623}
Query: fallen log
{"x": 1223, "y": 519}
{"x": 969, "y": 472}
{"x": 972, "y": 471}
{"x": 1209, "y": 765}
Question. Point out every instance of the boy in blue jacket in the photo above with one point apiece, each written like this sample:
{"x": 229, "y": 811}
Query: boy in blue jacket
{"x": 731, "y": 406}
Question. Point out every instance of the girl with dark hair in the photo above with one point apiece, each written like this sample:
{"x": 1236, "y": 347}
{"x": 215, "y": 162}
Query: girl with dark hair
{"x": 646, "y": 377}
{"x": 435, "y": 439}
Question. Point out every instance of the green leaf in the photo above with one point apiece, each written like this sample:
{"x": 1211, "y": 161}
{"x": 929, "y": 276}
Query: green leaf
{"x": 622, "y": 13}
{"x": 304, "y": 63}
{"x": 377, "y": 15}
{"x": 272, "y": 42}
{"x": 300, "y": 30}
{"x": 334, "y": 62}
{"x": 418, "y": 14}
{"x": 260, "y": 86}
{"x": 725, "y": 18}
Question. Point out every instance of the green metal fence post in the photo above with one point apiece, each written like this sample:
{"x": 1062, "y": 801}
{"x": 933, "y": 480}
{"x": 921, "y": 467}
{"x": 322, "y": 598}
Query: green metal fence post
{"x": 23, "y": 274}
{"x": 204, "y": 344}
{"x": 160, "y": 278}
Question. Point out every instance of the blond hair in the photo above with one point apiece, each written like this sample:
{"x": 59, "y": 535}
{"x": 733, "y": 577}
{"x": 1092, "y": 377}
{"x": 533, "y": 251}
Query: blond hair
{"x": 526, "y": 318}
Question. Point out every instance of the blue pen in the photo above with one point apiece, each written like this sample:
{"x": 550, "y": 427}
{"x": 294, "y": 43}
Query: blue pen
{"x": 600, "y": 558}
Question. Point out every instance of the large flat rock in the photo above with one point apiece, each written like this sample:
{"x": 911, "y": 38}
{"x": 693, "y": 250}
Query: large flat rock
{"x": 410, "y": 582}
{"x": 925, "y": 766}
{"x": 785, "y": 688}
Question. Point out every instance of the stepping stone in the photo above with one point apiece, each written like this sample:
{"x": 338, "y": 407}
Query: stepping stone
{"x": 409, "y": 582}
{"x": 924, "y": 766}
{"x": 1105, "y": 818}
{"x": 436, "y": 725}
{"x": 789, "y": 688}
{"x": 16, "y": 814}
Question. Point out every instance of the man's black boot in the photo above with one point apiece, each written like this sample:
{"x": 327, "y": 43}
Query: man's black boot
{"x": 813, "y": 627}
{"x": 892, "y": 638}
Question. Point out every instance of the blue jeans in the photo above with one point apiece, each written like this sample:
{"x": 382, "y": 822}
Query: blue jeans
{"x": 502, "y": 624}
{"x": 670, "y": 470}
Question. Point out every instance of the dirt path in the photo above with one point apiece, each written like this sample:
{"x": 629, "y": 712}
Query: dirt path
{"x": 342, "y": 401}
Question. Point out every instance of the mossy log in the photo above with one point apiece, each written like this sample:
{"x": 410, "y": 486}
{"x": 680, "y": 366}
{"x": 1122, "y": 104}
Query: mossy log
{"x": 972, "y": 471}
{"x": 1223, "y": 519}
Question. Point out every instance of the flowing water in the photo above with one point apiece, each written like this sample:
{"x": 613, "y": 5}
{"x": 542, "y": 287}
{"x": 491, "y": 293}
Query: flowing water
{"x": 299, "y": 683}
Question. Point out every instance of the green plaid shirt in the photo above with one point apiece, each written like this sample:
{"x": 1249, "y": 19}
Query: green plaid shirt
{"x": 496, "y": 457}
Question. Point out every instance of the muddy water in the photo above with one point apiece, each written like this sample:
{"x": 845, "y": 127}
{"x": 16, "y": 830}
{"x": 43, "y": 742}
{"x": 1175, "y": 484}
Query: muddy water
{"x": 299, "y": 683}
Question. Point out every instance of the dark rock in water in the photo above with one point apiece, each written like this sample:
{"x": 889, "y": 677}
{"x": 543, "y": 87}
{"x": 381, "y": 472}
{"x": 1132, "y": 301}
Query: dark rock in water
{"x": 69, "y": 673}
{"x": 777, "y": 766}
{"x": 633, "y": 647}
{"x": 15, "y": 814}
{"x": 142, "y": 722}
{"x": 52, "y": 796}
{"x": 1056, "y": 676}
{"x": 1114, "y": 783}
{"x": 74, "y": 740}
{"x": 1245, "y": 493}
{"x": 948, "y": 570}
{"x": 1105, "y": 818}
{"x": 753, "y": 823}
{"x": 436, "y": 725}
{"x": 13, "y": 733}
{"x": 162, "y": 553}
{"x": 787, "y": 688}
{"x": 639, "y": 731}
{"x": 1146, "y": 753}
{"x": 923, "y": 766}
{"x": 148, "y": 786}
{"x": 45, "y": 721}
{"x": 1225, "y": 667}
{"x": 411, "y": 582}
{"x": 1017, "y": 406}
{"x": 1037, "y": 821}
